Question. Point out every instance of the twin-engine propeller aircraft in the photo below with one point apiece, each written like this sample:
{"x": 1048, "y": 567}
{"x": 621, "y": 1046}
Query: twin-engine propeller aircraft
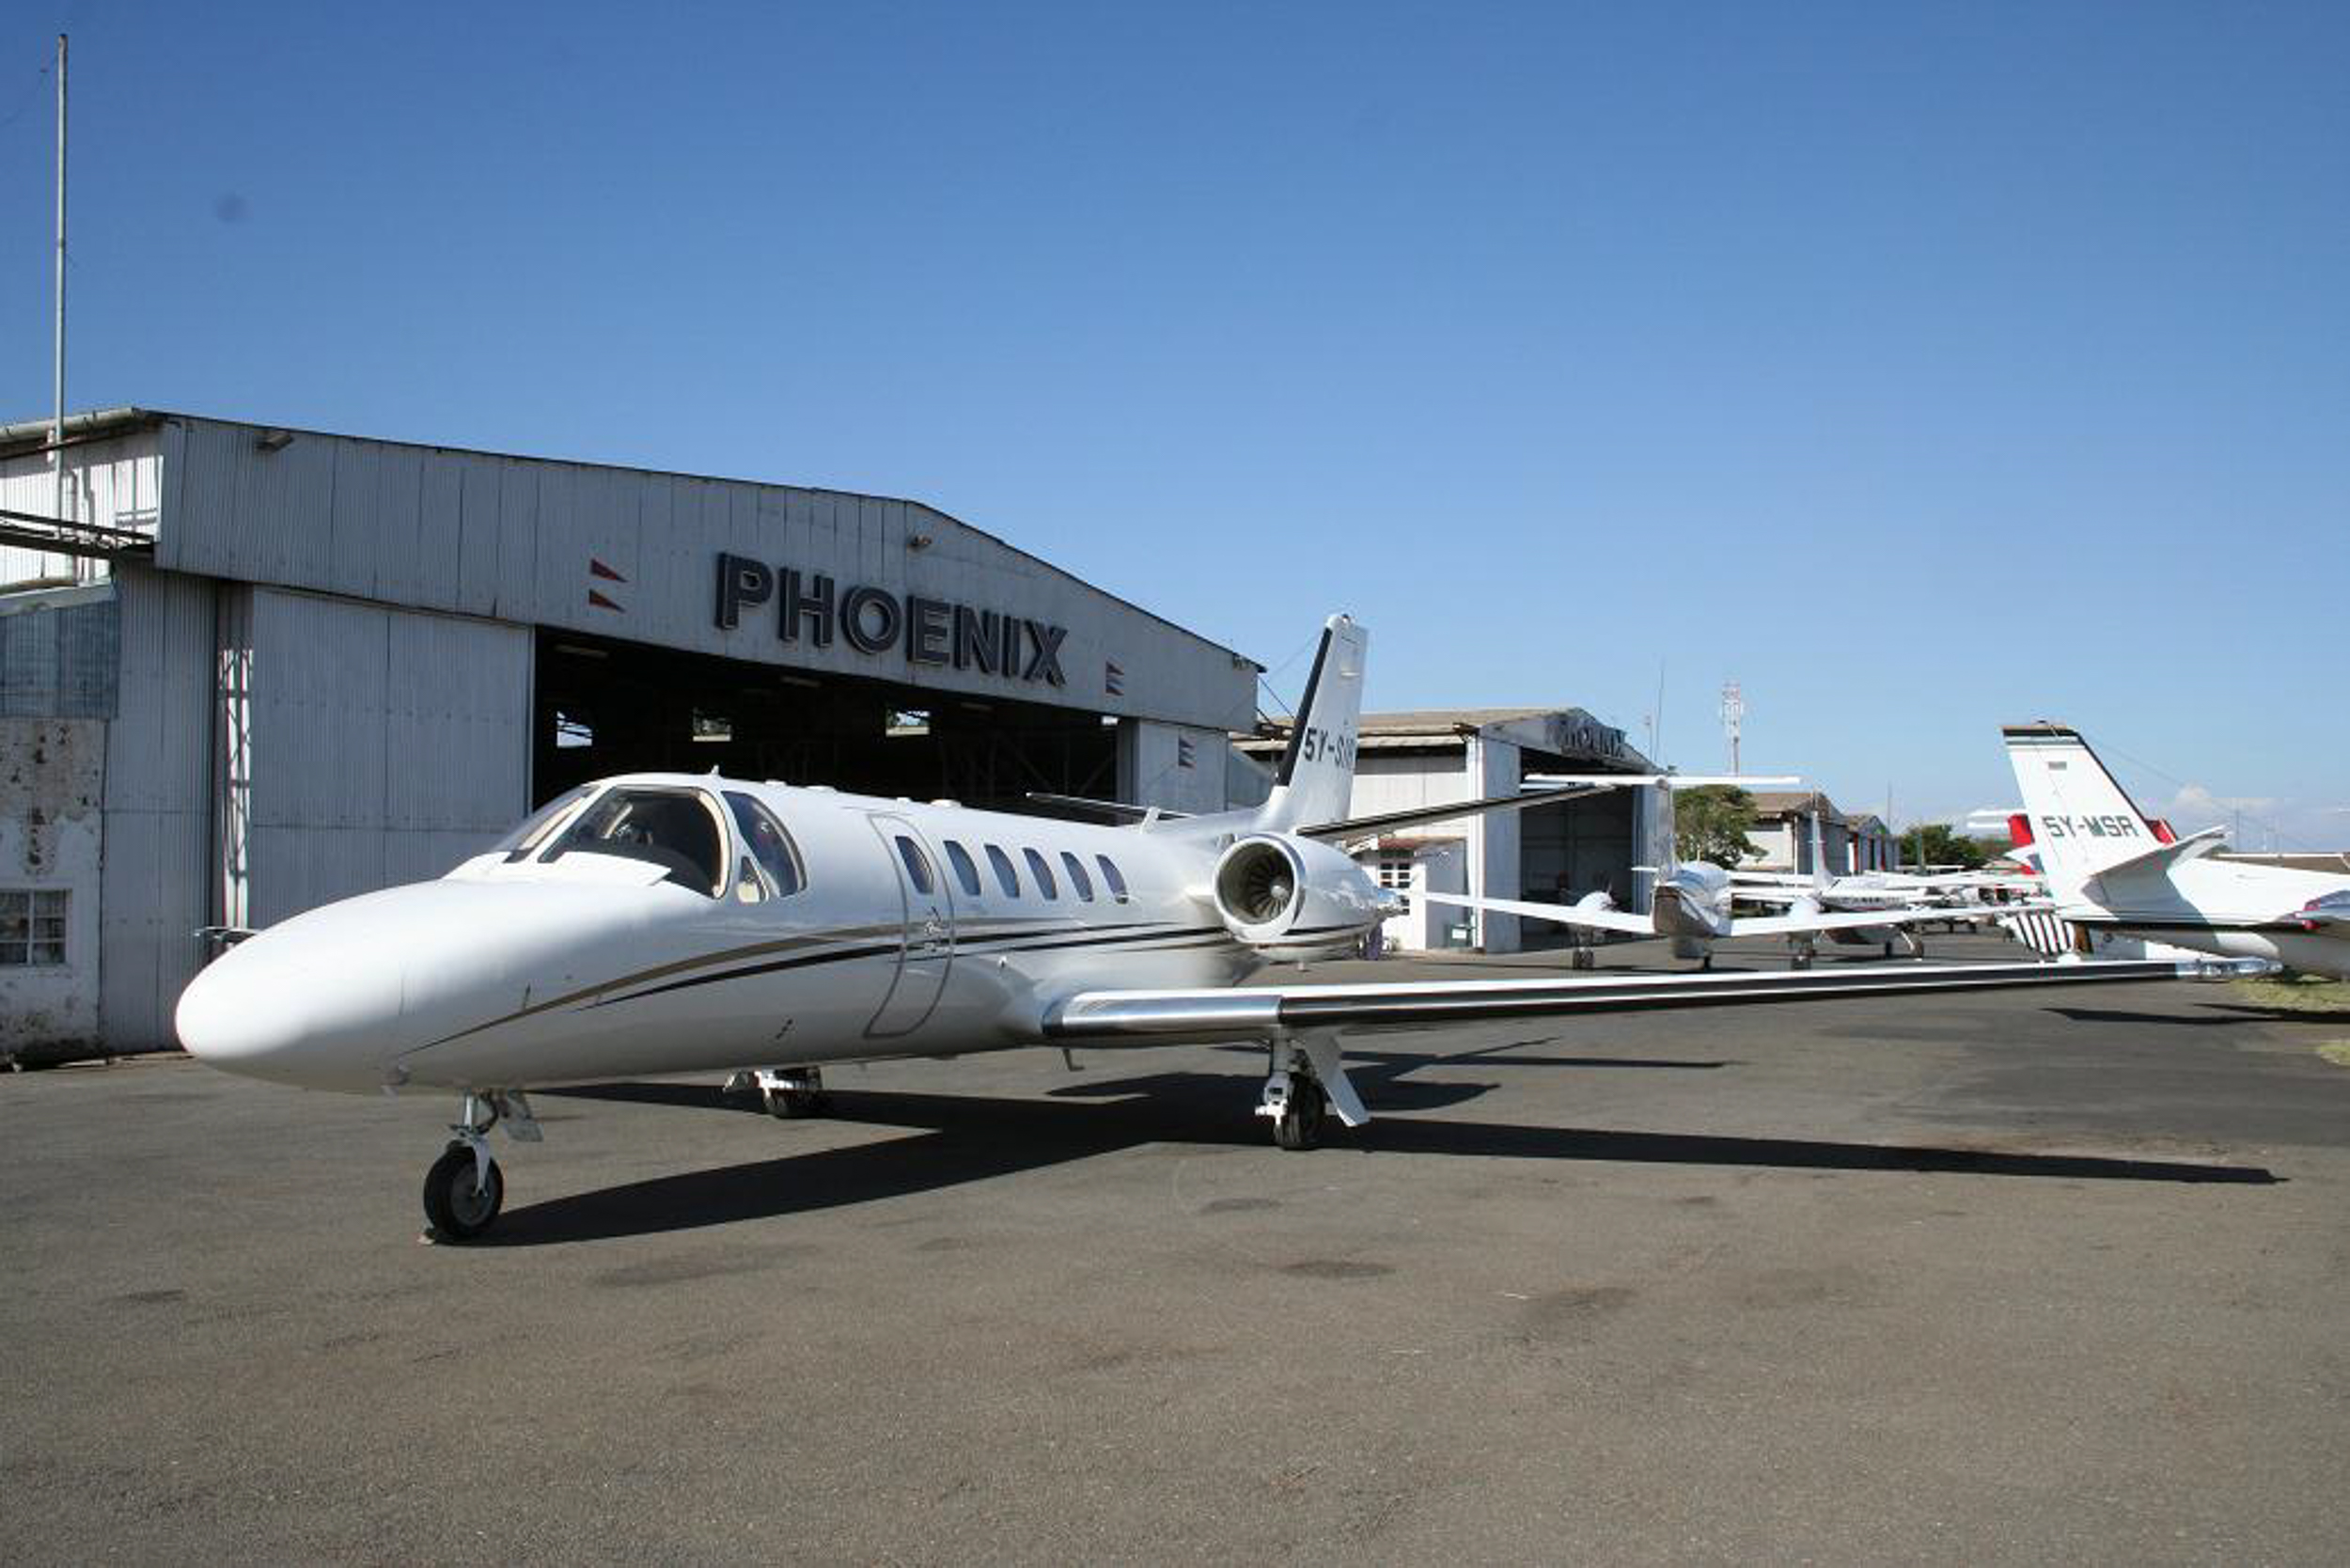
{"x": 664, "y": 923}
{"x": 2111, "y": 869}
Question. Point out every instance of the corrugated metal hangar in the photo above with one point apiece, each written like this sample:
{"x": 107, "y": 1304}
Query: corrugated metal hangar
{"x": 1547, "y": 854}
{"x": 286, "y": 666}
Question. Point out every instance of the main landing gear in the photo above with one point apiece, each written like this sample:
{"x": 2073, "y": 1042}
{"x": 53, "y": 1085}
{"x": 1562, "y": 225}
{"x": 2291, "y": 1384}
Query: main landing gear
{"x": 792, "y": 1092}
{"x": 464, "y": 1189}
{"x": 1304, "y": 1083}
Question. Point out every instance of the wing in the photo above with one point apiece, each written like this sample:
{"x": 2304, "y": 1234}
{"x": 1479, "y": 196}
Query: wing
{"x": 1862, "y": 919}
{"x": 1264, "y": 1011}
{"x": 1558, "y": 914}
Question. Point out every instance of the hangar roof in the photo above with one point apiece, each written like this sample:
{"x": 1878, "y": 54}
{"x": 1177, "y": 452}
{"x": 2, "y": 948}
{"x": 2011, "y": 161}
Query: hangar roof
{"x": 630, "y": 553}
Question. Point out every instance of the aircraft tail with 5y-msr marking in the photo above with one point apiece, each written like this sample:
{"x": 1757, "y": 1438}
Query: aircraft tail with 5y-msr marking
{"x": 2082, "y": 821}
{"x": 1316, "y": 780}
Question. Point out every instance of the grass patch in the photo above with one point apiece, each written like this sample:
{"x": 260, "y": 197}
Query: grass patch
{"x": 2296, "y": 993}
{"x": 2335, "y": 1051}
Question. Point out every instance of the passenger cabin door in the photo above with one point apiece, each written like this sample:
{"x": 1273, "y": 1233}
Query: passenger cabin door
{"x": 927, "y": 939}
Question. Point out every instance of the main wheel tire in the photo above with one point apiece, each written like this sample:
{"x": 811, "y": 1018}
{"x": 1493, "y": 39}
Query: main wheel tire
{"x": 790, "y": 1105}
{"x": 457, "y": 1208}
{"x": 1300, "y": 1125}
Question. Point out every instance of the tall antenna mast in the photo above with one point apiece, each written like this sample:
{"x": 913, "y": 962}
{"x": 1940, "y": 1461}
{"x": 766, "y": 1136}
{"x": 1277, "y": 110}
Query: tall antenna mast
{"x": 56, "y": 416}
{"x": 1733, "y": 713}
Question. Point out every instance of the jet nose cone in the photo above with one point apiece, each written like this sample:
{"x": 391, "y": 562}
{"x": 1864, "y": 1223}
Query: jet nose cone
{"x": 268, "y": 1007}
{"x": 228, "y": 1020}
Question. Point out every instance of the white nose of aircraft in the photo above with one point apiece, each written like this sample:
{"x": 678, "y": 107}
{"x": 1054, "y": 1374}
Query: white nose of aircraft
{"x": 331, "y": 999}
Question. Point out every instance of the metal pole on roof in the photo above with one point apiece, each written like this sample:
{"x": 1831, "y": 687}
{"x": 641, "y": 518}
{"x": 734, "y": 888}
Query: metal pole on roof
{"x": 57, "y": 417}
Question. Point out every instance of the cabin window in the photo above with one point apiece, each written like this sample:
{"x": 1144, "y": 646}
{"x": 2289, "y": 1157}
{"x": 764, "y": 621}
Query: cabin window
{"x": 673, "y": 829}
{"x": 1043, "y": 872}
{"x": 966, "y": 869}
{"x": 32, "y": 927}
{"x": 532, "y": 830}
{"x": 1112, "y": 877}
{"x": 772, "y": 869}
{"x": 1004, "y": 873}
{"x": 918, "y": 865}
{"x": 1077, "y": 878}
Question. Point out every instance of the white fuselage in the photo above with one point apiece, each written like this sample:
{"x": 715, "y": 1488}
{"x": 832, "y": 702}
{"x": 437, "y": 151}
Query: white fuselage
{"x": 518, "y": 969}
{"x": 2221, "y": 907}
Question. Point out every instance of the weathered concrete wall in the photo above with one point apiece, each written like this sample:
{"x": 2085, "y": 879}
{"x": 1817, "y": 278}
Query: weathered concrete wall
{"x": 51, "y": 783}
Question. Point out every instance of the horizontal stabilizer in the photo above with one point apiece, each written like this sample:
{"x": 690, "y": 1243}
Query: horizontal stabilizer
{"x": 2156, "y": 859}
{"x": 1119, "y": 810}
{"x": 1355, "y": 827}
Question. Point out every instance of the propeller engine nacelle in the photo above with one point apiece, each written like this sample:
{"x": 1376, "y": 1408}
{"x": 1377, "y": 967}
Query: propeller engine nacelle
{"x": 1290, "y": 896}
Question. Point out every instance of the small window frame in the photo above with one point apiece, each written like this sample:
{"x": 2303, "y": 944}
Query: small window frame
{"x": 965, "y": 869}
{"x": 1040, "y": 872}
{"x": 920, "y": 873}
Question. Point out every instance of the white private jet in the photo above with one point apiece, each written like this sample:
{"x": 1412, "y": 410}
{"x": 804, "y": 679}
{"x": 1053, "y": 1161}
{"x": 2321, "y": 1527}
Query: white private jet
{"x": 665, "y": 923}
{"x": 2111, "y": 869}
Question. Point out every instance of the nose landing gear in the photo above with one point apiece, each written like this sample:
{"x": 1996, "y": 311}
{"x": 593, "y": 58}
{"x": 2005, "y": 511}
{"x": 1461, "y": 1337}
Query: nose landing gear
{"x": 464, "y": 1190}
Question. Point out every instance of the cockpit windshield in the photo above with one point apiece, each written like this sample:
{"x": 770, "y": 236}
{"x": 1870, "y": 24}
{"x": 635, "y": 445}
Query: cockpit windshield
{"x": 674, "y": 829}
{"x": 528, "y": 834}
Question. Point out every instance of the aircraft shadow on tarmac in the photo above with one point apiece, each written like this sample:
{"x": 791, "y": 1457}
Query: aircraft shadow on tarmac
{"x": 964, "y": 1139}
{"x": 2208, "y": 1015}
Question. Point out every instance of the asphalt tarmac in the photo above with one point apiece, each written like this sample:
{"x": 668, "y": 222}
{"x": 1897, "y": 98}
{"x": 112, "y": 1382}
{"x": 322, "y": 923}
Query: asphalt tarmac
{"x": 2057, "y": 1274}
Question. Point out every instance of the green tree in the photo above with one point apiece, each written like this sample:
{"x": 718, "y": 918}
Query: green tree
{"x": 1709, "y": 823}
{"x": 1943, "y": 846}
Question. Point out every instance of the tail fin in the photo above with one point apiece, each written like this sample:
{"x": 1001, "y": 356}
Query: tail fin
{"x": 1819, "y": 879}
{"x": 1316, "y": 782}
{"x": 2079, "y": 819}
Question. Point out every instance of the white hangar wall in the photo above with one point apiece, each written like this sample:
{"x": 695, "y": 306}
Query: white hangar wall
{"x": 361, "y": 746}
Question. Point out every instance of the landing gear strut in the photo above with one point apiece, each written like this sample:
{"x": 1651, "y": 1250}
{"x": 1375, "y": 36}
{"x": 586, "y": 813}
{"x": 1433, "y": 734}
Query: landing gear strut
{"x": 1305, "y": 1081}
{"x": 464, "y": 1189}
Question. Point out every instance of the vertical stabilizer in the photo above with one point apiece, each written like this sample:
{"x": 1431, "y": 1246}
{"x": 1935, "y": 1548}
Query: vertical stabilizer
{"x": 1316, "y": 780}
{"x": 2080, "y": 818}
{"x": 1819, "y": 879}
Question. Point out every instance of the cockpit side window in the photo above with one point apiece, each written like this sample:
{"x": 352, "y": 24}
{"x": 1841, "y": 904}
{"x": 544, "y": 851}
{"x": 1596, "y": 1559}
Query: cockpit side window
{"x": 774, "y": 860}
{"x": 528, "y": 834}
{"x": 674, "y": 829}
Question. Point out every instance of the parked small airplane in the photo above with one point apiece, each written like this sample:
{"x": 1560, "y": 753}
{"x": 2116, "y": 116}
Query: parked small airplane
{"x": 663, "y": 923}
{"x": 2110, "y": 867}
{"x": 1692, "y": 906}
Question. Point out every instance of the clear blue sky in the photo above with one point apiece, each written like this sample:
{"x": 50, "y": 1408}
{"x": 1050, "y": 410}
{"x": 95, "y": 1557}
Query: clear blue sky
{"x": 1919, "y": 367}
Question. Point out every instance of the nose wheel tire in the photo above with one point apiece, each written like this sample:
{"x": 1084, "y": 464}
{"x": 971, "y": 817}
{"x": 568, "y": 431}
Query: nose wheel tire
{"x": 790, "y": 1105}
{"x": 458, "y": 1202}
{"x": 1300, "y": 1125}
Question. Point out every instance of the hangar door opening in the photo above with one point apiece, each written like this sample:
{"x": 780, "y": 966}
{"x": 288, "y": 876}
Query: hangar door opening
{"x": 603, "y": 706}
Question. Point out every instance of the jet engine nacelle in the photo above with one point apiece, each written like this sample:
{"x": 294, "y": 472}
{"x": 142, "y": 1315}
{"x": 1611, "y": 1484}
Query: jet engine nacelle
{"x": 1291, "y": 898}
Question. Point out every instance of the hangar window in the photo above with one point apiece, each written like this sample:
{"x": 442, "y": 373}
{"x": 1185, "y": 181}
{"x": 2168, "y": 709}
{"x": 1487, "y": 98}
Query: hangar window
{"x": 32, "y": 927}
{"x": 534, "y": 828}
{"x": 673, "y": 829}
{"x": 966, "y": 869}
{"x": 772, "y": 867}
{"x": 1111, "y": 875}
{"x": 1077, "y": 878}
{"x": 918, "y": 865}
{"x": 1001, "y": 863}
{"x": 1043, "y": 874}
